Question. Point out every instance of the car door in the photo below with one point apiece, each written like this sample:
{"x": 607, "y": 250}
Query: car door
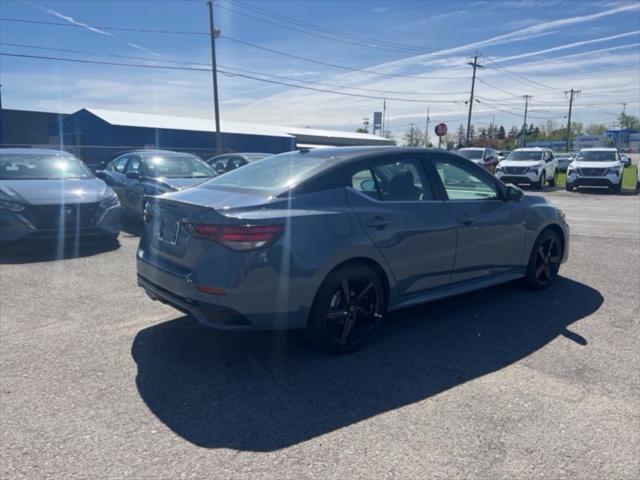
{"x": 490, "y": 231}
{"x": 549, "y": 164}
{"x": 134, "y": 187}
{"x": 117, "y": 177}
{"x": 413, "y": 230}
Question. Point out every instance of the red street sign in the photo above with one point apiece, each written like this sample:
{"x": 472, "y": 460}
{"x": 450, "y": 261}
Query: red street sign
{"x": 441, "y": 129}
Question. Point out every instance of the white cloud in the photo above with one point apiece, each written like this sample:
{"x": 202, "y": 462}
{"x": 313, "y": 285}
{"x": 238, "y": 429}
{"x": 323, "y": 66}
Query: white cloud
{"x": 141, "y": 48}
{"x": 73, "y": 21}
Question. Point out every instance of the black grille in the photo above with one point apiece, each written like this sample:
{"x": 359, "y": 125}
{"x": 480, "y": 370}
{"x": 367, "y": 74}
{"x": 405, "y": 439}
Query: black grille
{"x": 515, "y": 170}
{"x": 593, "y": 172}
{"x": 52, "y": 217}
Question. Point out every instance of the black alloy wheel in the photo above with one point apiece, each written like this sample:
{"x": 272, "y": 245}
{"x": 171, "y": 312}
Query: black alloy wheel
{"x": 347, "y": 310}
{"x": 545, "y": 260}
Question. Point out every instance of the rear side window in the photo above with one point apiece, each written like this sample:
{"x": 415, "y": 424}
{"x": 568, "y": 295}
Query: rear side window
{"x": 396, "y": 181}
{"x": 462, "y": 183}
{"x": 120, "y": 164}
{"x": 134, "y": 165}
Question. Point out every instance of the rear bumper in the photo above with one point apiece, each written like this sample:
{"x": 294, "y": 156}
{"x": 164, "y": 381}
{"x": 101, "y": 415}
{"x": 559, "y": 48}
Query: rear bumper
{"x": 16, "y": 226}
{"x": 267, "y": 302}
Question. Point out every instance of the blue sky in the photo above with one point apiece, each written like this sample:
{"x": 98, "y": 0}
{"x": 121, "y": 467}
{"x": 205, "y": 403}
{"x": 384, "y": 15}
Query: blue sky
{"x": 541, "y": 48}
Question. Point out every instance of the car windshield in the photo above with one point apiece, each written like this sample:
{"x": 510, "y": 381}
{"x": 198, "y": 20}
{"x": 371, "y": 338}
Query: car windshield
{"x": 471, "y": 154}
{"x": 31, "y": 166}
{"x": 177, "y": 166}
{"x": 274, "y": 174}
{"x": 597, "y": 156}
{"x": 525, "y": 155}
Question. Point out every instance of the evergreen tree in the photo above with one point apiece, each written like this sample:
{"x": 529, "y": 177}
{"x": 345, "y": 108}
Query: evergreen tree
{"x": 501, "y": 133}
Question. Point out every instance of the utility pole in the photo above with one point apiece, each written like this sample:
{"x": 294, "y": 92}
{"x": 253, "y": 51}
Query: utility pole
{"x": 624, "y": 107}
{"x": 475, "y": 65}
{"x": 524, "y": 125}
{"x": 576, "y": 93}
{"x": 214, "y": 70}
{"x": 426, "y": 131}
{"x": 384, "y": 120}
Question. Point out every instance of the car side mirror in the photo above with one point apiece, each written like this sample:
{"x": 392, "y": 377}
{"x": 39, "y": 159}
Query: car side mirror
{"x": 100, "y": 174}
{"x": 367, "y": 185}
{"x": 133, "y": 175}
{"x": 514, "y": 194}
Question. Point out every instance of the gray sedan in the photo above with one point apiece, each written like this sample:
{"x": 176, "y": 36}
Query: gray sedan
{"x": 331, "y": 240}
{"x": 51, "y": 193}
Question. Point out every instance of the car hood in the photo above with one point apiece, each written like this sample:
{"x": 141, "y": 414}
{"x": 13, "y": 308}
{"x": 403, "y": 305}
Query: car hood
{"x": 181, "y": 183}
{"x": 218, "y": 198}
{"x": 521, "y": 163}
{"x": 48, "y": 192}
{"x": 583, "y": 164}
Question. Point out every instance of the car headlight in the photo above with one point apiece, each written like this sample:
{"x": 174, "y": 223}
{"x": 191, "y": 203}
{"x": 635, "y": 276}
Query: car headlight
{"x": 111, "y": 201}
{"x": 11, "y": 206}
{"x": 615, "y": 170}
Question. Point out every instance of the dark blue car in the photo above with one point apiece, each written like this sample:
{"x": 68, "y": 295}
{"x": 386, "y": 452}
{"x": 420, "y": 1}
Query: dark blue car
{"x": 52, "y": 194}
{"x": 134, "y": 175}
{"x": 331, "y": 240}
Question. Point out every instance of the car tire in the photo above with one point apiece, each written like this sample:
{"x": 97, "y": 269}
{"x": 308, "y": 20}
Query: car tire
{"x": 569, "y": 187}
{"x": 617, "y": 188}
{"x": 347, "y": 310}
{"x": 539, "y": 185}
{"x": 552, "y": 180}
{"x": 544, "y": 260}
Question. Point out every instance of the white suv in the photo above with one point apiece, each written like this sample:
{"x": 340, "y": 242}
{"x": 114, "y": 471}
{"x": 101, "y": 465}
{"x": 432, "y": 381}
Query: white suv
{"x": 534, "y": 166}
{"x": 596, "y": 167}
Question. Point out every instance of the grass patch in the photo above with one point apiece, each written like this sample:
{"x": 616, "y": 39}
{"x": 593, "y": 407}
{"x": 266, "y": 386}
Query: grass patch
{"x": 629, "y": 177}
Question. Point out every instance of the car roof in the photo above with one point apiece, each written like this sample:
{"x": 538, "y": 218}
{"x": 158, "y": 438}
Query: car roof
{"x": 148, "y": 152}
{"x": 473, "y": 148}
{"x": 601, "y": 149}
{"x": 34, "y": 151}
{"x": 531, "y": 149}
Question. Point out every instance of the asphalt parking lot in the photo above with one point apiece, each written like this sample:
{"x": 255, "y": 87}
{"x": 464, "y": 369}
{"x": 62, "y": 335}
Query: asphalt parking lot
{"x": 97, "y": 381}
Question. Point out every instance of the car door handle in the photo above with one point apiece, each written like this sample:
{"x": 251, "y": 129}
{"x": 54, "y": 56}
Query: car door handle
{"x": 465, "y": 219}
{"x": 377, "y": 222}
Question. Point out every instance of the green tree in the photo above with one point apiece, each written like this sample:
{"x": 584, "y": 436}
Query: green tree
{"x": 595, "y": 129}
{"x": 362, "y": 130}
{"x": 628, "y": 122}
{"x": 501, "y": 133}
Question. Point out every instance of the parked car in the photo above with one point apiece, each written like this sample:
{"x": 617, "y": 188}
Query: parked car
{"x": 638, "y": 179}
{"x": 626, "y": 160}
{"x": 485, "y": 157}
{"x": 333, "y": 239}
{"x": 563, "y": 160}
{"x": 230, "y": 161}
{"x": 52, "y": 194}
{"x": 134, "y": 175}
{"x": 533, "y": 166}
{"x": 596, "y": 167}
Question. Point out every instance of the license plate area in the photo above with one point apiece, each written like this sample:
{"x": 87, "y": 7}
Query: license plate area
{"x": 169, "y": 231}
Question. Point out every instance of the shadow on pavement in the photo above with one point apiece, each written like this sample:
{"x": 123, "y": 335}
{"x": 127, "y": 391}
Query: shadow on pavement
{"x": 131, "y": 226}
{"x": 31, "y": 251}
{"x": 267, "y": 391}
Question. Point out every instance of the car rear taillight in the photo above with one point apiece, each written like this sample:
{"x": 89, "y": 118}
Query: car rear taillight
{"x": 238, "y": 237}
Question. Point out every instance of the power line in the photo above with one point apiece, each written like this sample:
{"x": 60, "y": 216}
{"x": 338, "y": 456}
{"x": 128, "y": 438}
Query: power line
{"x": 345, "y": 40}
{"x": 83, "y": 52}
{"x": 101, "y": 27}
{"x": 333, "y": 65}
{"x": 379, "y": 43}
{"x": 504, "y": 69}
{"x": 228, "y": 73}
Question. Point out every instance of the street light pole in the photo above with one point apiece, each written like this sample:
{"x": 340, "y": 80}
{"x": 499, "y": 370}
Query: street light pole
{"x": 214, "y": 70}
{"x": 524, "y": 125}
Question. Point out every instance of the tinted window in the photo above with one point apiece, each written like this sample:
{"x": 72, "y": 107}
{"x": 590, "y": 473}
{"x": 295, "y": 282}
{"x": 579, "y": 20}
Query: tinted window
{"x": 471, "y": 154}
{"x": 120, "y": 164}
{"x": 275, "y": 174}
{"x": 177, "y": 166}
{"x": 597, "y": 156}
{"x": 134, "y": 164}
{"x": 525, "y": 155}
{"x": 400, "y": 181}
{"x": 462, "y": 183}
{"x": 44, "y": 167}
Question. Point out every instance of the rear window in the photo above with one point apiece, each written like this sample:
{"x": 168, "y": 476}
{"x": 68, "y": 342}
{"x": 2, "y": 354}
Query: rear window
{"x": 525, "y": 155}
{"x": 274, "y": 174}
{"x": 471, "y": 154}
{"x": 177, "y": 166}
